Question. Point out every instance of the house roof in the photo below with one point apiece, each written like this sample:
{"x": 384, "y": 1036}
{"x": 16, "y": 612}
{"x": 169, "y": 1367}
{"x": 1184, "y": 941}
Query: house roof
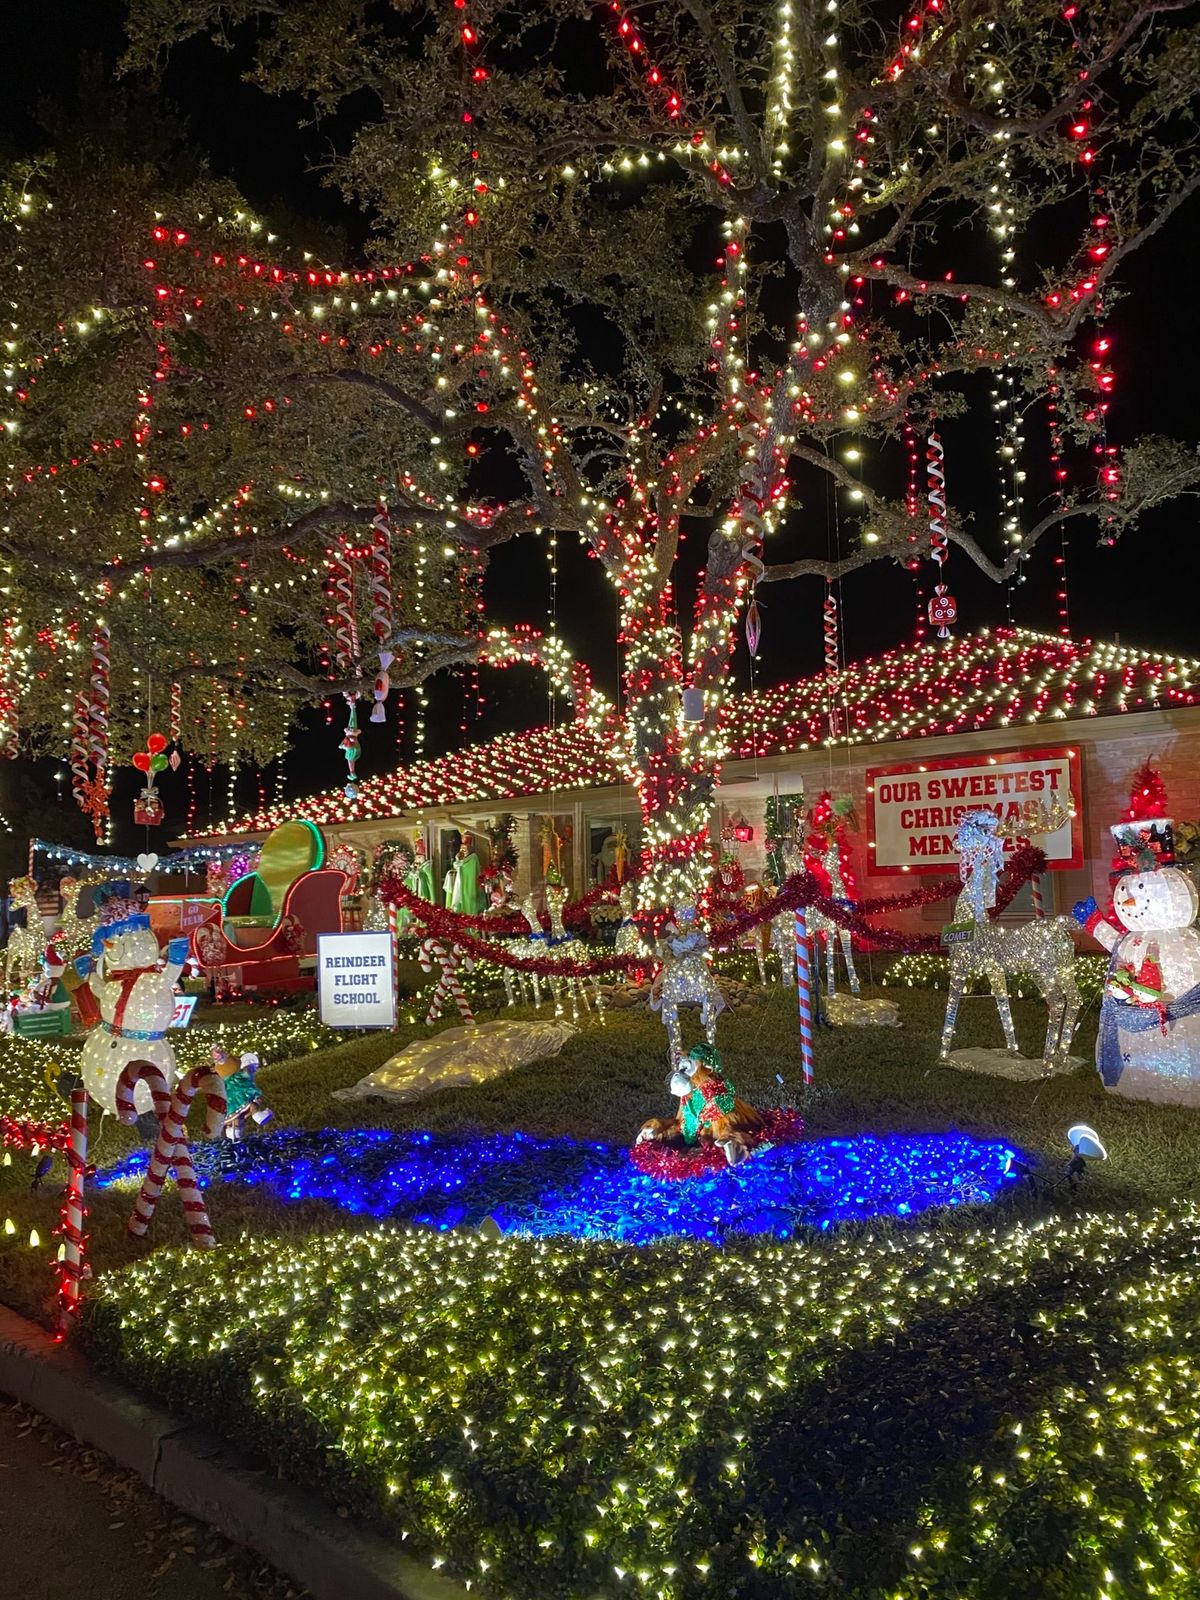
{"x": 997, "y": 678}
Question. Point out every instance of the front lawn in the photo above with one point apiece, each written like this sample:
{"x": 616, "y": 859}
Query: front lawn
{"x": 985, "y": 1401}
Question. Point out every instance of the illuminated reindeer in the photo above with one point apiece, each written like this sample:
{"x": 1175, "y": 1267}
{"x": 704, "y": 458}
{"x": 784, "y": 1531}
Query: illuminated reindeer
{"x": 564, "y": 947}
{"x": 1043, "y": 948}
{"x": 825, "y": 837}
{"x": 23, "y": 953}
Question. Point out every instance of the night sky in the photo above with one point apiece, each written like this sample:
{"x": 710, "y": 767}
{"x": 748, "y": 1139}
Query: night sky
{"x": 1139, "y": 590}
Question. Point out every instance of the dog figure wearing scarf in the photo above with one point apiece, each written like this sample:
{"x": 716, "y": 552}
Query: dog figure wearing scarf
{"x": 136, "y": 995}
{"x": 709, "y": 1110}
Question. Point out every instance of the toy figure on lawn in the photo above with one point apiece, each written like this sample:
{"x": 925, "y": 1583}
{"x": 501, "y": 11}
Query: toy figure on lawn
{"x": 243, "y": 1097}
{"x": 713, "y": 1128}
{"x": 1148, "y": 1046}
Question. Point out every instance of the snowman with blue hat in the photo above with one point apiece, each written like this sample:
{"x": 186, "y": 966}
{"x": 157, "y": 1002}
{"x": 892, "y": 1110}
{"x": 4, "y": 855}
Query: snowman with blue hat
{"x": 135, "y": 990}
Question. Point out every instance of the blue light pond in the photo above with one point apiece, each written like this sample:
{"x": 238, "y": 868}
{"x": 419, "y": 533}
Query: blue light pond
{"x": 549, "y": 1186}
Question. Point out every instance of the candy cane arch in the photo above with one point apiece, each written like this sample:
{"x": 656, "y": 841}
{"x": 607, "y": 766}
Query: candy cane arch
{"x": 172, "y": 1148}
{"x": 380, "y": 580}
{"x": 71, "y": 1267}
{"x": 434, "y": 953}
{"x": 804, "y": 997}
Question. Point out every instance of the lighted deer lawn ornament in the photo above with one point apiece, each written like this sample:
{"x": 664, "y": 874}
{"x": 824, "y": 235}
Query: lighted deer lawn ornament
{"x": 25, "y": 947}
{"x": 828, "y": 851}
{"x": 685, "y": 979}
{"x": 1043, "y": 948}
{"x": 783, "y": 927}
{"x": 566, "y": 948}
{"x": 528, "y": 946}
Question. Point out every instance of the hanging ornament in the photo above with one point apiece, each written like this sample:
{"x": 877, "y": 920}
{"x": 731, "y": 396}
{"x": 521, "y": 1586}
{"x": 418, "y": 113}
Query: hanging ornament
{"x": 351, "y": 748}
{"x": 96, "y": 791}
{"x": 942, "y": 609}
{"x": 381, "y": 612}
{"x": 753, "y": 625}
{"x": 175, "y": 726}
{"x": 943, "y": 612}
{"x": 80, "y": 747}
{"x": 147, "y": 807}
{"x": 831, "y": 655}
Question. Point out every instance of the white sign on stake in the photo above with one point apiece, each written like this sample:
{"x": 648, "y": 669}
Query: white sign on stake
{"x": 356, "y": 984}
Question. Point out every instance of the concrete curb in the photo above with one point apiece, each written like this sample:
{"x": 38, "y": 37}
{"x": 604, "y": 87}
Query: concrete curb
{"x": 293, "y": 1530}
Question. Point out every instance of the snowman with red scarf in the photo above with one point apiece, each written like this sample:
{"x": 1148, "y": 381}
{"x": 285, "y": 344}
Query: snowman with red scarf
{"x": 1148, "y": 1046}
{"x": 136, "y": 995}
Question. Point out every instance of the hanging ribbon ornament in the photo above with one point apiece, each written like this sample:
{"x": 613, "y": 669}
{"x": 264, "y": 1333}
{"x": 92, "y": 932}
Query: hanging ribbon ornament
{"x": 175, "y": 726}
{"x": 753, "y": 625}
{"x": 942, "y": 609}
{"x": 96, "y": 791}
{"x": 80, "y": 748}
{"x": 346, "y": 655}
{"x": 831, "y": 655}
{"x": 381, "y": 612}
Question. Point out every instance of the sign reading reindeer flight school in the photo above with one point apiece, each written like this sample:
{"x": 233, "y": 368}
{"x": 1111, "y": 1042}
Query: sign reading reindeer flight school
{"x": 356, "y": 983}
{"x": 914, "y": 810}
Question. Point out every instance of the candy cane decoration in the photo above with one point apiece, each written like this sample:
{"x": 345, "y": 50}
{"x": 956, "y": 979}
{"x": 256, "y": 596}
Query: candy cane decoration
{"x": 172, "y": 1148}
{"x": 935, "y": 477}
{"x": 804, "y": 997}
{"x": 71, "y": 1268}
{"x": 341, "y": 586}
{"x": 1035, "y": 884}
{"x": 448, "y": 987}
{"x": 380, "y": 571}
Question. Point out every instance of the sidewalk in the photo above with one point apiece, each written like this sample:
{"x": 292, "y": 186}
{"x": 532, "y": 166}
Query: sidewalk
{"x": 74, "y": 1523}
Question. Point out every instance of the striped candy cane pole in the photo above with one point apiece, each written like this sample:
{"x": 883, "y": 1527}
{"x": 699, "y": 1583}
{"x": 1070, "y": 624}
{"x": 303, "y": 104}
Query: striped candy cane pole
{"x": 71, "y": 1269}
{"x": 1035, "y": 884}
{"x": 804, "y": 996}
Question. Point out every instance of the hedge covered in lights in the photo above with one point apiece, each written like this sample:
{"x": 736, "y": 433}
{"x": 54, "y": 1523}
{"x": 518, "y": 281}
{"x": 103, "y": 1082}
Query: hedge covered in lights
{"x": 924, "y": 971}
{"x": 989, "y": 1412}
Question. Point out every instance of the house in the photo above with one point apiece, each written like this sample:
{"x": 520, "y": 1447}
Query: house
{"x": 912, "y": 736}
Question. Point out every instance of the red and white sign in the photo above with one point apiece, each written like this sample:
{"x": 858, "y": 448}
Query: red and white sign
{"x": 914, "y": 810}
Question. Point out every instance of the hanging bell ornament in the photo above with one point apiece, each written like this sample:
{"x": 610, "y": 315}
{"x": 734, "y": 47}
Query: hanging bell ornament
{"x": 943, "y": 611}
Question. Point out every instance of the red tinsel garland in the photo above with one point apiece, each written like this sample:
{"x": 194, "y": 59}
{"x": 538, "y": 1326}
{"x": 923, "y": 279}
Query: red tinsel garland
{"x": 802, "y": 889}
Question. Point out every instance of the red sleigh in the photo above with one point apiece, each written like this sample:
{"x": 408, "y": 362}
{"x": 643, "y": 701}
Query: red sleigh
{"x": 262, "y": 938}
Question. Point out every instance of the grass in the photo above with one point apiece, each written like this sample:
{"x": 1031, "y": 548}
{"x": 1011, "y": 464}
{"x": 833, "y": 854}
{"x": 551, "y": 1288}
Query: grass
{"x": 762, "y": 1421}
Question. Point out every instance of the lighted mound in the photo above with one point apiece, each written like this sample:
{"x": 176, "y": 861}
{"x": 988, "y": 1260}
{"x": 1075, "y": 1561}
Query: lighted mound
{"x": 558, "y": 1186}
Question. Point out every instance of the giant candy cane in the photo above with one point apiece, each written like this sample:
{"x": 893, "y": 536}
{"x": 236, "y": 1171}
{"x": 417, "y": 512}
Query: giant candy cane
{"x": 432, "y": 953}
{"x": 172, "y": 1148}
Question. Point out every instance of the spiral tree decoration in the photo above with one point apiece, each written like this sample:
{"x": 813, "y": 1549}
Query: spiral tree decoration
{"x": 97, "y": 789}
{"x": 175, "y": 726}
{"x": 380, "y": 570}
{"x": 346, "y": 654}
{"x": 81, "y": 744}
{"x": 831, "y": 655}
{"x": 942, "y": 610}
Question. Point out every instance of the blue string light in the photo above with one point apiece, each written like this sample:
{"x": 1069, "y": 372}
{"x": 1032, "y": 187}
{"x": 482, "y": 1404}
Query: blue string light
{"x": 556, "y": 1186}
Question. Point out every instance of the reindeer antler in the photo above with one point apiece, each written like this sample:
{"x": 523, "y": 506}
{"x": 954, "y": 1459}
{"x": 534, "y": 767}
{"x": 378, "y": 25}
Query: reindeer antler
{"x": 1037, "y": 818}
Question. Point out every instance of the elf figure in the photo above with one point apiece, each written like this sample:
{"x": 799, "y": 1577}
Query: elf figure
{"x": 243, "y": 1097}
{"x": 1148, "y": 1047}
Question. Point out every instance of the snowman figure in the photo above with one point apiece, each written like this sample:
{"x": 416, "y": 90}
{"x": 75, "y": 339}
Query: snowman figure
{"x": 136, "y": 994}
{"x": 1148, "y": 1047}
